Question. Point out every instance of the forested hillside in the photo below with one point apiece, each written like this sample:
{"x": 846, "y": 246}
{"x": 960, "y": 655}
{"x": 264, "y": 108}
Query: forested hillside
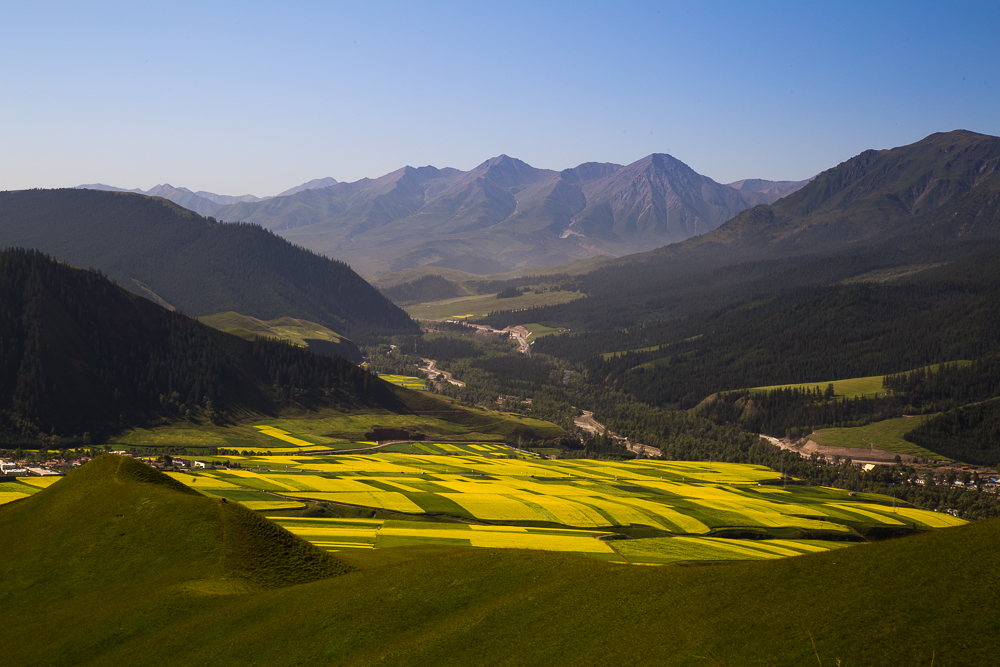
{"x": 806, "y": 335}
{"x": 200, "y": 266}
{"x": 80, "y": 357}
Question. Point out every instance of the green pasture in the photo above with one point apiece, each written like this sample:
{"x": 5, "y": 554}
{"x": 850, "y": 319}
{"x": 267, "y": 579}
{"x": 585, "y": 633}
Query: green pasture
{"x": 294, "y": 330}
{"x": 887, "y": 435}
{"x": 848, "y": 388}
{"x": 464, "y": 307}
{"x": 539, "y": 330}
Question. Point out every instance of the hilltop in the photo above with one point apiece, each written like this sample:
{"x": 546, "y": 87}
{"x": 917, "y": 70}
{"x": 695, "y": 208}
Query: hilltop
{"x": 198, "y": 265}
{"x": 118, "y": 530}
{"x": 146, "y": 573}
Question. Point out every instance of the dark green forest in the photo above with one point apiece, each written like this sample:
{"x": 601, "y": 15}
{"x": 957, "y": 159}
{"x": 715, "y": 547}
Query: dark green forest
{"x": 80, "y": 357}
{"x": 807, "y": 335}
{"x": 197, "y": 265}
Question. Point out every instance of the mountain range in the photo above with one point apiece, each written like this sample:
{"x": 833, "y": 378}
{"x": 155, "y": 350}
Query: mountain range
{"x": 202, "y": 202}
{"x": 502, "y": 215}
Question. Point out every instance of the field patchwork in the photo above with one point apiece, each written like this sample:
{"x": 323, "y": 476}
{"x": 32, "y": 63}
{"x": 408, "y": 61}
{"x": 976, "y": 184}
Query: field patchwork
{"x": 517, "y": 498}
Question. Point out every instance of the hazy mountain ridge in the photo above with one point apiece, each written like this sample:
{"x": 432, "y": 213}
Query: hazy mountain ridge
{"x": 202, "y": 202}
{"x": 504, "y": 213}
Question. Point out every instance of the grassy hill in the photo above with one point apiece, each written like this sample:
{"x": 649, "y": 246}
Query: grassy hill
{"x": 105, "y": 569}
{"x": 176, "y": 257}
{"x": 297, "y": 331}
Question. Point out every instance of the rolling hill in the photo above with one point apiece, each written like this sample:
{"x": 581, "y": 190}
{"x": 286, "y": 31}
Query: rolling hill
{"x": 117, "y": 565}
{"x": 504, "y": 214}
{"x": 176, "y": 257}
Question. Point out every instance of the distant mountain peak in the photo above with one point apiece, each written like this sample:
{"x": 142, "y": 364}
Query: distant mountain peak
{"x": 314, "y": 184}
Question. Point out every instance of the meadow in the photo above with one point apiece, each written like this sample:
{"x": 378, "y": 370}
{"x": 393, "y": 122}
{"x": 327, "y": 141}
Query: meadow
{"x": 886, "y": 435}
{"x": 464, "y": 307}
{"x": 847, "y": 388}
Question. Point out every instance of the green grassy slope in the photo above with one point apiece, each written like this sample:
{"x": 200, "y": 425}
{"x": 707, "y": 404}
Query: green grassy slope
{"x": 303, "y": 333}
{"x": 77, "y": 590}
{"x": 886, "y": 435}
{"x": 849, "y": 387}
{"x": 117, "y": 523}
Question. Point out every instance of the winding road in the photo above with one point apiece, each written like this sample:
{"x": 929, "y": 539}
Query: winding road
{"x": 432, "y": 372}
{"x": 587, "y": 422}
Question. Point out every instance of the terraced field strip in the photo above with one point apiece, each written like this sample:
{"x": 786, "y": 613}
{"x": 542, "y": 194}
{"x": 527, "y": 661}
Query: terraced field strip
{"x": 265, "y": 505}
{"x": 11, "y": 496}
{"x": 336, "y": 534}
{"x": 406, "y": 381}
{"x": 40, "y": 482}
{"x": 662, "y": 550}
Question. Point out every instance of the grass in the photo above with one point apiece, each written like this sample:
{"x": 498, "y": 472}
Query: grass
{"x": 130, "y": 573}
{"x": 539, "y": 330}
{"x": 849, "y": 388}
{"x": 434, "y": 416}
{"x": 464, "y": 307}
{"x": 886, "y": 435}
{"x": 291, "y": 329}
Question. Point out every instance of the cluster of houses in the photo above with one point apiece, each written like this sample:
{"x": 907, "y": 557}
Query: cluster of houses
{"x": 11, "y": 468}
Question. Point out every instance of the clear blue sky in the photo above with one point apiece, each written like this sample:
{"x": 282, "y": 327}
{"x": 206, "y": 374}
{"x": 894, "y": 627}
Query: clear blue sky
{"x": 256, "y": 97}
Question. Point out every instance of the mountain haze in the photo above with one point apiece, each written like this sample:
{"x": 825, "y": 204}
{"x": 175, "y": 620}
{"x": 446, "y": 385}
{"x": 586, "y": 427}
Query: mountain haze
{"x": 504, "y": 214}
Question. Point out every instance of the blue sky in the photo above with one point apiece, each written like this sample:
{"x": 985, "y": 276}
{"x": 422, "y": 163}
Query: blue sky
{"x": 256, "y": 97}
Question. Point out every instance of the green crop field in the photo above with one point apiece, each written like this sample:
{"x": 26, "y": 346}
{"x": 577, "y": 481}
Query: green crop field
{"x": 518, "y": 502}
{"x": 464, "y": 307}
{"x": 409, "y": 382}
{"x": 887, "y": 435}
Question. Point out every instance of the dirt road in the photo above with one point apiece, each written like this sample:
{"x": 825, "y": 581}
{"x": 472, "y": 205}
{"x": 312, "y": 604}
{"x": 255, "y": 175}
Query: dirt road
{"x": 587, "y": 422}
{"x": 432, "y": 372}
